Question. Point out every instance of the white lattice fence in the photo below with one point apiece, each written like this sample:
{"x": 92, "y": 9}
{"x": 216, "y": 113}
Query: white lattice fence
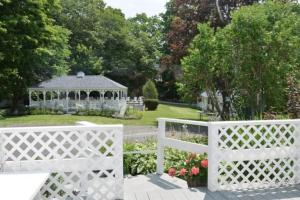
{"x": 253, "y": 154}
{"x": 84, "y": 162}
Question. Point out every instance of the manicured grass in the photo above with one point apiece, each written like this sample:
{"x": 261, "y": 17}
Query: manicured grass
{"x": 149, "y": 118}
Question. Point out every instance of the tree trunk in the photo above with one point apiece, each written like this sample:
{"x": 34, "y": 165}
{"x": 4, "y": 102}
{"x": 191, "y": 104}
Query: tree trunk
{"x": 225, "y": 115}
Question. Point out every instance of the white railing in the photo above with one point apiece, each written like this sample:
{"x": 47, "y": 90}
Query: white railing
{"x": 84, "y": 162}
{"x": 244, "y": 154}
{"x": 163, "y": 141}
{"x": 113, "y": 104}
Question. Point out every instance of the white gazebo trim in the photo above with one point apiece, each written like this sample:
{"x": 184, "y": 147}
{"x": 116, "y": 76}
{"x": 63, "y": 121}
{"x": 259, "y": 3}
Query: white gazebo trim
{"x": 117, "y": 99}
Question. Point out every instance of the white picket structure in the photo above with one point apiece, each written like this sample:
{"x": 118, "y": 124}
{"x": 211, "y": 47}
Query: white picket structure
{"x": 85, "y": 162}
{"x": 244, "y": 154}
{"x": 254, "y": 154}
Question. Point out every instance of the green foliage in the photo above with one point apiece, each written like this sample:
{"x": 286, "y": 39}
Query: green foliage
{"x": 149, "y": 90}
{"x": 93, "y": 112}
{"x": 2, "y": 114}
{"x": 84, "y": 19}
{"x": 104, "y": 42}
{"x": 180, "y": 27}
{"x": 39, "y": 111}
{"x": 135, "y": 164}
{"x": 133, "y": 114}
{"x": 249, "y": 60}
{"x": 151, "y": 104}
{"x": 32, "y": 46}
{"x": 139, "y": 163}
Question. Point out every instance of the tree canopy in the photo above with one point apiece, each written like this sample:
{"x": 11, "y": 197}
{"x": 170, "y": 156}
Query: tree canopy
{"x": 249, "y": 61}
{"x": 32, "y": 46}
{"x": 104, "y": 42}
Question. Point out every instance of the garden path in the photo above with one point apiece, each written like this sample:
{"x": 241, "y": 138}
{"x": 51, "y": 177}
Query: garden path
{"x": 154, "y": 187}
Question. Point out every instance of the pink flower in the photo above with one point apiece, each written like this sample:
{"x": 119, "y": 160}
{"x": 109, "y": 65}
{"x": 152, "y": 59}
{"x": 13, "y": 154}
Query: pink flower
{"x": 204, "y": 163}
{"x": 172, "y": 172}
{"x": 182, "y": 172}
{"x": 187, "y": 161}
{"x": 195, "y": 171}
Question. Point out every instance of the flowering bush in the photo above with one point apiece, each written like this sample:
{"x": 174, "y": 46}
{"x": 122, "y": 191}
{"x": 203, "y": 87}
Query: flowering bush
{"x": 194, "y": 168}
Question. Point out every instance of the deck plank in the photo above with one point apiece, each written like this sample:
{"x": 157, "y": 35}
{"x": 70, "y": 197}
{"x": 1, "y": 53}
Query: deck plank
{"x": 141, "y": 196}
{"x": 130, "y": 196}
{"x": 154, "y": 187}
{"x": 167, "y": 195}
{"x": 154, "y": 195}
{"x": 178, "y": 195}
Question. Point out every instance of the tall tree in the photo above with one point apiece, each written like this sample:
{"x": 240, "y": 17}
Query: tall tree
{"x": 104, "y": 42}
{"x": 181, "y": 19}
{"x": 32, "y": 47}
{"x": 85, "y": 20}
{"x": 253, "y": 57}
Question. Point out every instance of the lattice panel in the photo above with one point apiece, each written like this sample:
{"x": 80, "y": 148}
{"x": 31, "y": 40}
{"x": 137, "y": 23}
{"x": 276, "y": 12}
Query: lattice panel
{"x": 84, "y": 162}
{"x": 255, "y": 154}
{"x": 256, "y": 173}
{"x": 256, "y": 136}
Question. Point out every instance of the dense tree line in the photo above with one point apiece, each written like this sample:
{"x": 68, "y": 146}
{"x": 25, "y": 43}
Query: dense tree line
{"x": 42, "y": 39}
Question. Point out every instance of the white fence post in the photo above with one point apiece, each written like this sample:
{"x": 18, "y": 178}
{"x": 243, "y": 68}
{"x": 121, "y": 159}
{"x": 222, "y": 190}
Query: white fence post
{"x": 212, "y": 158}
{"x": 160, "y": 146}
{"x": 297, "y": 153}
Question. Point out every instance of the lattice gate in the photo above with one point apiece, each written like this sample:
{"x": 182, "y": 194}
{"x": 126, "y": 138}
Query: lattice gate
{"x": 84, "y": 162}
{"x": 253, "y": 154}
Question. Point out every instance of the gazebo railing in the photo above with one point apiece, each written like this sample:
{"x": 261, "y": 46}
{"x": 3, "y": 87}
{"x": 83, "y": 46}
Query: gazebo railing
{"x": 84, "y": 162}
{"x": 80, "y": 104}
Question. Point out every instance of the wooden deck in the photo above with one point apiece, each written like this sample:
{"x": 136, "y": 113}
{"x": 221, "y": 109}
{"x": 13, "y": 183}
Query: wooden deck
{"x": 154, "y": 187}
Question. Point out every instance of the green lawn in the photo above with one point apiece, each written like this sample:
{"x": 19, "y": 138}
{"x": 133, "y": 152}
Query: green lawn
{"x": 149, "y": 118}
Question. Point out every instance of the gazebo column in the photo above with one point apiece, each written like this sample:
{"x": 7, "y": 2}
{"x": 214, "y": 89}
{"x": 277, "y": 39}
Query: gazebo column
{"x": 58, "y": 94}
{"x": 79, "y": 93}
{"x": 51, "y": 98}
{"x": 88, "y": 95}
{"x": 102, "y": 96}
{"x": 67, "y": 101}
{"x": 30, "y": 93}
{"x": 88, "y": 98}
{"x": 44, "y": 98}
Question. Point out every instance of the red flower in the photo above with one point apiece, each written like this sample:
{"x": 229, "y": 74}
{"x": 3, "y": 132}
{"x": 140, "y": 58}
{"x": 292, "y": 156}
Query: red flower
{"x": 204, "y": 163}
{"x": 182, "y": 172}
{"x": 195, "y": 171}
{"x": 172, "y": 172}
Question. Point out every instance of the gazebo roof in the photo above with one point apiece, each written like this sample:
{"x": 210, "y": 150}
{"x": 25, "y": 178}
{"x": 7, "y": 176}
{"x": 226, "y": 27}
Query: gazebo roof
{"x": 81, "y": 81}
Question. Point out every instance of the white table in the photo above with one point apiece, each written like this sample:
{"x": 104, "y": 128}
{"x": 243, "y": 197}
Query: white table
{"x": 21, "y": 186}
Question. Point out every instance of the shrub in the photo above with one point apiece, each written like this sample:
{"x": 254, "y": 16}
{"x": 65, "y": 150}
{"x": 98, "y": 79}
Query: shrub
{"x": 93, "y": 112}
{"x": 149, "y": 90}
{"x": 2, "y": 114}
{"x": 45, "y": 111}
{"x": 151, "y": 104}
{"x": 133, "y": 114}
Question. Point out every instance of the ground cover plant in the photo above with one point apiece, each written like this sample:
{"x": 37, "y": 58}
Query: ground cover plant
{"x": 145, "y": 162}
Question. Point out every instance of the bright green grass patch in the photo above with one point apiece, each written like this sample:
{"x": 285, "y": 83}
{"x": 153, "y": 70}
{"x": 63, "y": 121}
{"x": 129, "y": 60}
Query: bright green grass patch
{"x": 149, "y": 118}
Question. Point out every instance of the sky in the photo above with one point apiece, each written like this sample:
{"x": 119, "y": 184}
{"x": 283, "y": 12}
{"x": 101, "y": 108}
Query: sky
{"x": 132, "y": 7}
